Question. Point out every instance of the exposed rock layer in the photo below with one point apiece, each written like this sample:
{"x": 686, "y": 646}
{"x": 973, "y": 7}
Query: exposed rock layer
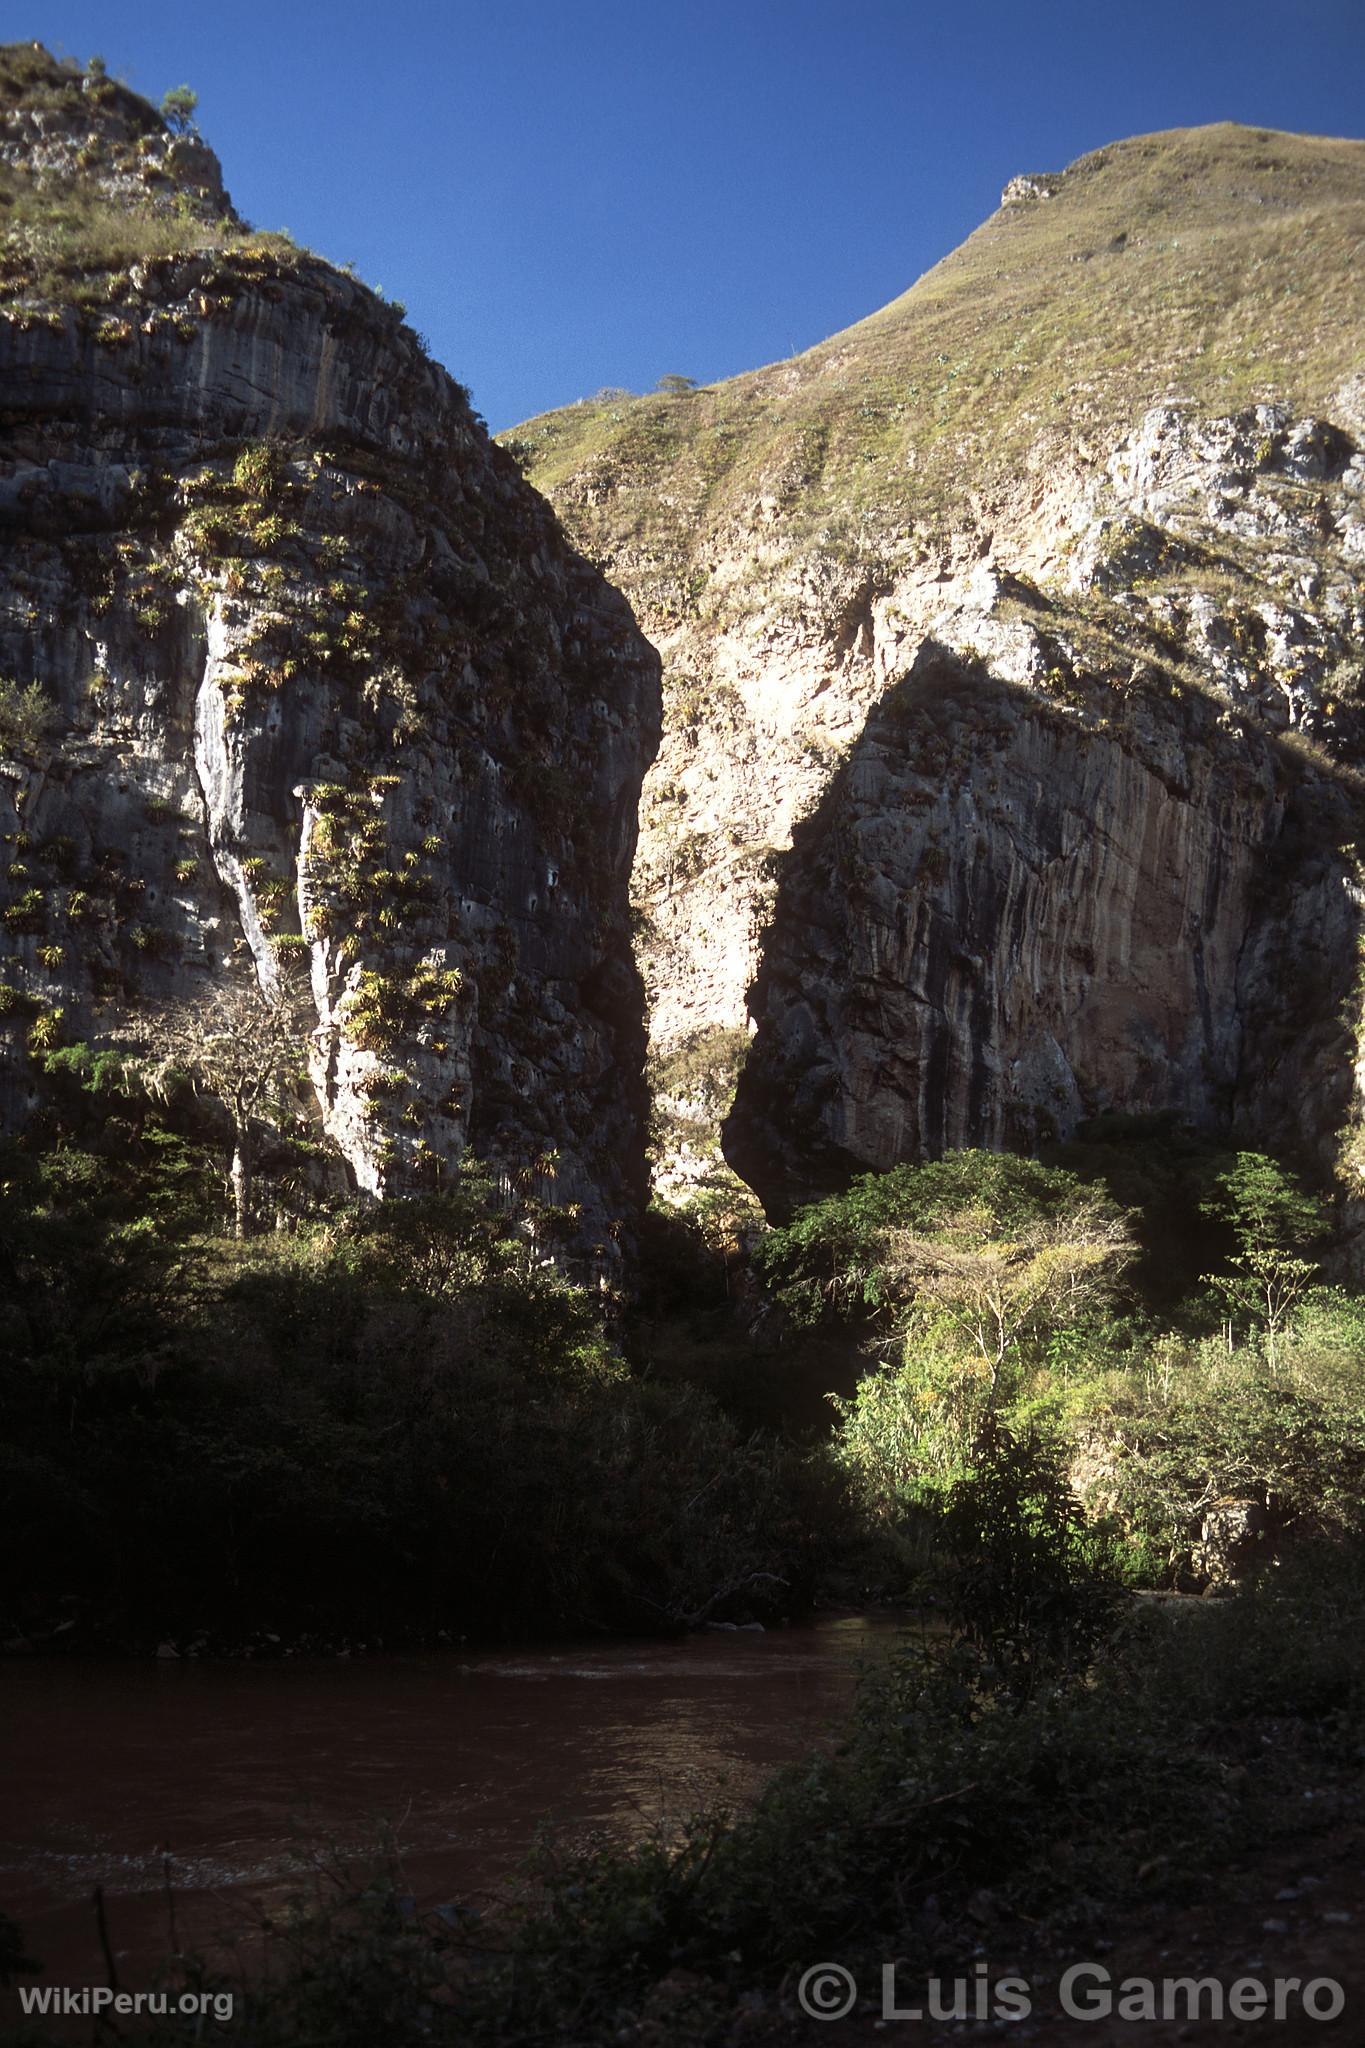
{"x": 1100, "y": 851}
{"x": 327, "y": 700}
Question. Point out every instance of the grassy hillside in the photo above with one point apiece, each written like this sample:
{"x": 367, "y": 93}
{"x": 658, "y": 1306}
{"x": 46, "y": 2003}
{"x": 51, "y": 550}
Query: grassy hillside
{"x": 1215, "y": 264}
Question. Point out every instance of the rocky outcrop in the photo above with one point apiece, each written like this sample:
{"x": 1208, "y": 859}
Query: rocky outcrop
{"x": 1099, "y": 848}
{"x": 299, "y": 680}
{"x": 1031, "y": 185}
{"x": 1236, "y": 1538}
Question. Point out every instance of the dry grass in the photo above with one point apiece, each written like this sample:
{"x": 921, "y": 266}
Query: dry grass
{"x": 1219, "y": 265}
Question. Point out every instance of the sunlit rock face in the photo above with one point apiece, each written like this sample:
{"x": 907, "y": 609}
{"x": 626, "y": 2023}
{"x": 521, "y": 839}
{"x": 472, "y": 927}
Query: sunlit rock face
{"x": 1009, "y": 915}
{"x": 1098, "y": 849}
{"x": 325, "y": 699}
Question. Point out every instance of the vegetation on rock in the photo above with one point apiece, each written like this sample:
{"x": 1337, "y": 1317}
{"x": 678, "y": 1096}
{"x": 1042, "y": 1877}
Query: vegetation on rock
{"x": 983, "y": 371}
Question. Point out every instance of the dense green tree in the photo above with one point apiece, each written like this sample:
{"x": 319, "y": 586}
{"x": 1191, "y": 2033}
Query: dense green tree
{"x": 867, "y": 1251}
{"x": 1277, "y": 1224}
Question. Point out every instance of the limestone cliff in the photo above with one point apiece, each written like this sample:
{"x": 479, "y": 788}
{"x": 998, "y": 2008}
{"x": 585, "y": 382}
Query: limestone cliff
{"x": 298, "y": 679}
{"x": 903, "y": 585}
{"x": 1103, "y": 854}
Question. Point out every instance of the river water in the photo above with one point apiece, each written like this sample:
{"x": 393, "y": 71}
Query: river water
{"x": 244, "y": 1774}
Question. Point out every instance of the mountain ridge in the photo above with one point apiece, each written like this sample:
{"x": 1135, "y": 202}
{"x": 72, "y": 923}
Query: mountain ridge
{"x": 790, "y": 537}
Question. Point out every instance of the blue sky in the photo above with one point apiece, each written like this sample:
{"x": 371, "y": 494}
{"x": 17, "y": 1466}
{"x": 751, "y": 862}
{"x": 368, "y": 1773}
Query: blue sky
{"x": 601, "y": 191}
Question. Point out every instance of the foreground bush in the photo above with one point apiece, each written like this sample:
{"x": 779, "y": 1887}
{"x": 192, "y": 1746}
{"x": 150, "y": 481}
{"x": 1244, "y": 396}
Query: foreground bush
{"x": 1200, "y": 1428}
{"x": 1005, "y": 1293}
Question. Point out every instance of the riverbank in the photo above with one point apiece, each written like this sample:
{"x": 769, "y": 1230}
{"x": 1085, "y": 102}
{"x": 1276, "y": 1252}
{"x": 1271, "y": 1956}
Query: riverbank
{"x": 214, "y": 1790}
{"x": 1181, "y": 1791}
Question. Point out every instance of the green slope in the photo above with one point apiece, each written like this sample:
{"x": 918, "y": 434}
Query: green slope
{"x": 1218, "y": 265}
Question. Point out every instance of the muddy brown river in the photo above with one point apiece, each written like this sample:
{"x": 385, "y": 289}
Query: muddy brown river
{"x": 242, "y": 1774}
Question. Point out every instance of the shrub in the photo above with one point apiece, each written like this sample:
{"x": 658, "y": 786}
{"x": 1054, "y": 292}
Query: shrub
{"x": 907, "y": 1430}
{"x": 1203, "y": 1425}
{"x": 99, "y": 1070}
{"x": 1034, "y": 1585}
{"x": 26, "y": 712}
{"x": 178, "y": 108}
{"x": 393, "y": 1424}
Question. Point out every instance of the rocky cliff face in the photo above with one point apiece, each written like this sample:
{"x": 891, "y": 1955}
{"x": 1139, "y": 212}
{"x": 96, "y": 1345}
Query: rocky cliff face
{"x": 1099, "y": 849}
{"x": 1037, "y": 595}
{"x": 298, "y": 681}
